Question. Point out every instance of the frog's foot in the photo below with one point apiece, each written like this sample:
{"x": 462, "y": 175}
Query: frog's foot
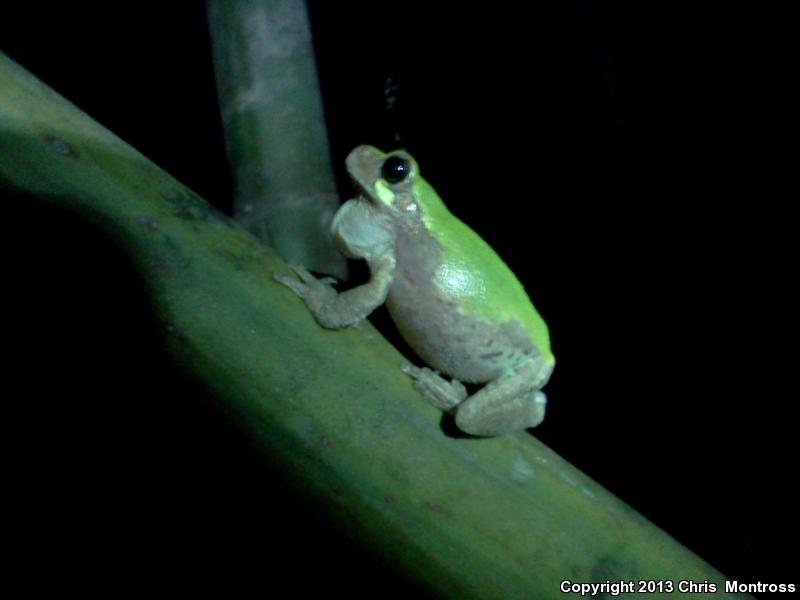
{"x": 322, "y": 300}
{"x": 336, "y": 310}
{"x": 444, "y": 395}
{"x": 305, "y": 285}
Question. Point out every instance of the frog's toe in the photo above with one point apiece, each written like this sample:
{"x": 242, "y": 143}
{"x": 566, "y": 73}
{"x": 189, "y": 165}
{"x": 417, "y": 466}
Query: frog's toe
{"x": 305, "y": 284}
{"x": 410, "y": 369}
{"x": 443, "y": 394}
{"x": 296, "y": 286}
{"x": 302, "y": 273}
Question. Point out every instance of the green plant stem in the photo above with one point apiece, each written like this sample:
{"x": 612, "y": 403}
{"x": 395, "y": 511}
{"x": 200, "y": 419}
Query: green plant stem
{"x": 467, "y": 518}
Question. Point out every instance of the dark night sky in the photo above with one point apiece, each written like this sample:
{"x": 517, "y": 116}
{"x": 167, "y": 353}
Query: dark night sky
{"x": 595, "y": 147}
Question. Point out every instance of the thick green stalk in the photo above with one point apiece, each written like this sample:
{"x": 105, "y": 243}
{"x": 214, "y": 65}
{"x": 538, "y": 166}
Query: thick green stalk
{"x": 275, "y": 131}
{"x": 467, "y": 518}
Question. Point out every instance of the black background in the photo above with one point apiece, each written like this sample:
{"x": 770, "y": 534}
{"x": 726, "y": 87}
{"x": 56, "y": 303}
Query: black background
{"x": 610, "y": 154}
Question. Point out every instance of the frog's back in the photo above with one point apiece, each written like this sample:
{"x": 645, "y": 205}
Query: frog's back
{"x": 474, "y": 276}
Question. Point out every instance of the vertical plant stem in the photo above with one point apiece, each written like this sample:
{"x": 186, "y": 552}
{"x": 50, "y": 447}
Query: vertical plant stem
{"x": 275, "y": 131}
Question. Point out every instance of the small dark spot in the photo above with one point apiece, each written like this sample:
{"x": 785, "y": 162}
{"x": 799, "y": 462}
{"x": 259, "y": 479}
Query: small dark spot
{"x": 324, "y": 441}
{"x": 235, "y": 259}
{"x": 610, "y": 567}
{"x": 433, "y": 507}
{"x": 60, "y": 146}
{"x": 191, "y": 207}
{"x": 389, "y": 500}
{"x": 187, "y": 206}
{"x": 492, "y": 355}
{"x": 173, "y": 331}
{"x": 619, "y": 525}
{"x": 177, "y": 256}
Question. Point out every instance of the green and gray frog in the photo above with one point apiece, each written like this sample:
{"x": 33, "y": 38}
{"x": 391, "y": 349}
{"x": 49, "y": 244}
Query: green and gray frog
{"x": 451, "y": 296}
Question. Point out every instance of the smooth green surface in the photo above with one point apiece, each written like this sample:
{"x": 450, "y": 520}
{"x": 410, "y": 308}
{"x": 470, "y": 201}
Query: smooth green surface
{"x": 493, "y": 518}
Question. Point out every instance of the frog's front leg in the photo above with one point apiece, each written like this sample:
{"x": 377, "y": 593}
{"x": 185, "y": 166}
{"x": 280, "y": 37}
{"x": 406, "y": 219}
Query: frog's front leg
{"x": 359, "y": 234}
{"x": 335, "y": 310}
{"x": 510, "y": 403}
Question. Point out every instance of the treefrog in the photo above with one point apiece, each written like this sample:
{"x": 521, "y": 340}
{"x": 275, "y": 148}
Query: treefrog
{"x": 451, "y": 296}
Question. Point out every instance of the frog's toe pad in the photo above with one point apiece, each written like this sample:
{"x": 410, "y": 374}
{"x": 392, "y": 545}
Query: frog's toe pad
{"x": 539, "y": 403}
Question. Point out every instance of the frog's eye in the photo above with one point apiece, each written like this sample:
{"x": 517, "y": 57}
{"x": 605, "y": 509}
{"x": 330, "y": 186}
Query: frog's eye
{"x": 395, "y": 169}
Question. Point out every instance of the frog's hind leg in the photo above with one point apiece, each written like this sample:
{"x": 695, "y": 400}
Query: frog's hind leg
{"x": 482, "y": 416}
{"x": 511, "y": 403}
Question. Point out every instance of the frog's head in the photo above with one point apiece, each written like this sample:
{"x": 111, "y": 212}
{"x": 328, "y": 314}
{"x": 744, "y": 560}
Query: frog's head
{"x": 390, "y": 181}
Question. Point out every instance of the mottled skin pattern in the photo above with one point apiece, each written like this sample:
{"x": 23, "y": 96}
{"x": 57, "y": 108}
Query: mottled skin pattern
{"x": 390, "y": 226}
